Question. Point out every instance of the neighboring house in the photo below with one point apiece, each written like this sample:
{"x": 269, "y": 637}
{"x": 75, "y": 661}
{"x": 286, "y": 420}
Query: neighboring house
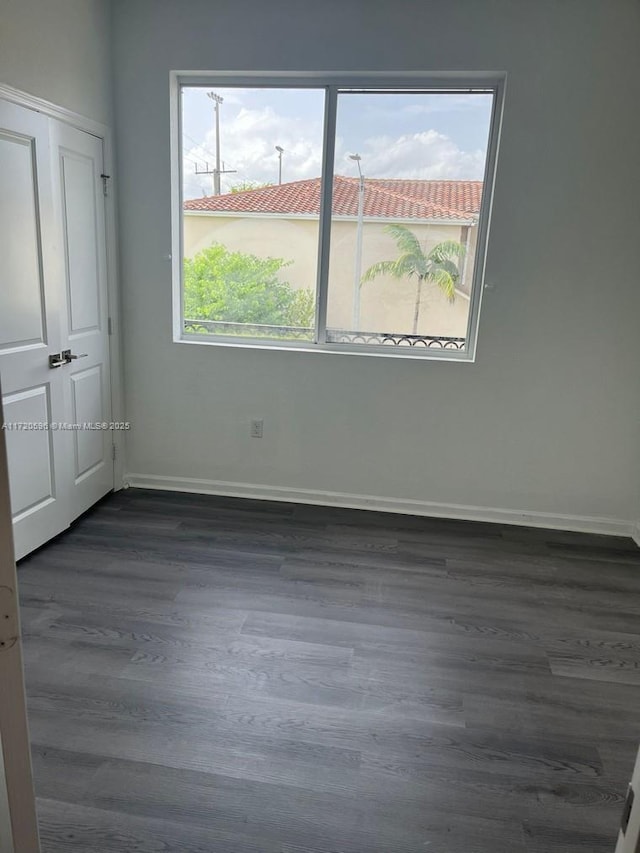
{"x": 282, "y": 221}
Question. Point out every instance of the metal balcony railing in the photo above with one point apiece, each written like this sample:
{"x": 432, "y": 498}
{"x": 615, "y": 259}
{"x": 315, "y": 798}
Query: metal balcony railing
{"x": 334, "y": 336}
{"x": 249, "y": 330}
{"x": 344, "y": 336}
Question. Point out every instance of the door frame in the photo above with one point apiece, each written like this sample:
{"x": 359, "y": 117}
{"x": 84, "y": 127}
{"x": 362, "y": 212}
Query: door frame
{"x": 629, "y": 837}
{"x": 18, "y": 821}
{"x": 104, "y": 133}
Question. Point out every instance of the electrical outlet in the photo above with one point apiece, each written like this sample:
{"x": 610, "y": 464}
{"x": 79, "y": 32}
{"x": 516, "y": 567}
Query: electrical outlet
{"x": 256, "y": 428}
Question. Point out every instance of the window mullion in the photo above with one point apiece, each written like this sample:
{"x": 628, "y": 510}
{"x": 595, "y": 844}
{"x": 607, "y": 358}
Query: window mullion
{"x": 326, "y": 194}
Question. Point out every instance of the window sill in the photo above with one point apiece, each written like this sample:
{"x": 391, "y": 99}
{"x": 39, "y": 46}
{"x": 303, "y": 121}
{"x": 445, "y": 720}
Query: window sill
{"x": 388, "y": 352}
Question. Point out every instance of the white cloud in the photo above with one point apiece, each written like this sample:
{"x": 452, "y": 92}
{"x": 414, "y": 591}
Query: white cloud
{"x": 428, "y": 155}
{"x": 248, "y": 141}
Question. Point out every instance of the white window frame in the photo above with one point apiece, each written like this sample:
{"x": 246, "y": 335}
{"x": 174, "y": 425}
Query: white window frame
{"x": 456, "y": 83}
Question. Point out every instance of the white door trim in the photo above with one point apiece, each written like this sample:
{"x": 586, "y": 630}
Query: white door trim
{"x": 17, "y": 801}
{"x": 6, "y": 833}
{"x": 103, "y": 132}
{"x": 31, "y": 102}
{"x": 629, "y": 839}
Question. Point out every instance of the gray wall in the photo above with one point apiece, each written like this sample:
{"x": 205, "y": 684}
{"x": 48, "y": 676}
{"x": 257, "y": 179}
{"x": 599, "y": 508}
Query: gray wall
{"x": 547, "y": 418}
{"x": 59, "y": 50}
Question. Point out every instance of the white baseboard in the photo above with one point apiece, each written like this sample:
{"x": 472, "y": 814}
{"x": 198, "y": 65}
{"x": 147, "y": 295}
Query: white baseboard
{"x": 583, "y": 524}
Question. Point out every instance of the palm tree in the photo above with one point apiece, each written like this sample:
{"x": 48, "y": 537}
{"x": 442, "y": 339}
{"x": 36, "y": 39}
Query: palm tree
{"x": 436, "y": 265}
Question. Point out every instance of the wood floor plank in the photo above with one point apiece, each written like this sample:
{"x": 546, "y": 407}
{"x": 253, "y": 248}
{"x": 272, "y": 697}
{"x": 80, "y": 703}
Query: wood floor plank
{"x": 216, "y": 674}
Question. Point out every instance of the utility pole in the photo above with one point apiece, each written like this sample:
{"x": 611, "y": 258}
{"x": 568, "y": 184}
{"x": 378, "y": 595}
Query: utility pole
{"x": 280, "y": 153}
{"x": 357, "y": 274}
{"x": 217, "y": 99}
{"x": 216, "y": 171}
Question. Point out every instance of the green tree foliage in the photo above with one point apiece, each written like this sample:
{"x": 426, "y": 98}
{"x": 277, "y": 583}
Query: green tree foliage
{"x": 437, "y": 265}
{"x": 235, "y": 287}
{"x": 243, "y": 186}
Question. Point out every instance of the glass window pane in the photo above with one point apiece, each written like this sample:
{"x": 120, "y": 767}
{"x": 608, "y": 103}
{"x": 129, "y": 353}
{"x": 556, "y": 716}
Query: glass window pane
{"x": 251, "y": 163}
{"x": 407, "y": 189}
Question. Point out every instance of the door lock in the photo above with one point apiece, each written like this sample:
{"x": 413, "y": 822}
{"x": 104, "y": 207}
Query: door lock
{"x": 57, "y": 360}
{"x": 69, "y": 356}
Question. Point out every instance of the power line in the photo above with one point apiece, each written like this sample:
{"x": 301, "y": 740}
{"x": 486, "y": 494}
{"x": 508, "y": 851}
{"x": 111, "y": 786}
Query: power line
{"x": 216, "y": 172}
{"x": 242, "y": 175}
{"x": 199, "y": 145}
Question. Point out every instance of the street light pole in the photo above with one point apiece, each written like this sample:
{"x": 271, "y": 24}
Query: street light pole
{"x": 217, "y": 99}
{"x": 357, "y": 274}
{"x": 280, "y": 153}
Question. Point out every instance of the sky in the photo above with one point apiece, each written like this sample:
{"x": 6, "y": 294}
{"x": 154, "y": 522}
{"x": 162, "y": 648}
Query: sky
{"x": 397, "y": 135}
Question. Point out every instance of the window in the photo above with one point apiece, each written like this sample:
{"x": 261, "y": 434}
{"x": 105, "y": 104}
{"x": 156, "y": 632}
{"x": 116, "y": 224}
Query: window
{"x": 340, "y": 215}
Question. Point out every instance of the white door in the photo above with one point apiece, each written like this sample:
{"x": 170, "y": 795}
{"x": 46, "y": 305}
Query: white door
{"x": 80, "y": 222}
{"x": 30, "y": 330}
{"x": 53, "y": 300}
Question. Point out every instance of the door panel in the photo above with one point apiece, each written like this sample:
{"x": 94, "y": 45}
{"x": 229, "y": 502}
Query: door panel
{"x": 78, "y": 195}
{"x": 30, "y": 330}
{"x": 87, "y": 394}
{"x": 32, "y": 484}
{"x": 81, "y": 244}
{"x": 22, "y": 300}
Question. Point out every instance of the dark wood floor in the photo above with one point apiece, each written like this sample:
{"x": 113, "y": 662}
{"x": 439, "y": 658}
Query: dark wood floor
{"x": 209, "y": 674}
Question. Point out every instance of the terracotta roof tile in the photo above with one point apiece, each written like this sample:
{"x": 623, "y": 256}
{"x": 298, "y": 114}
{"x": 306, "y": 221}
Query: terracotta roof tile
{"x": 393, "y": 199}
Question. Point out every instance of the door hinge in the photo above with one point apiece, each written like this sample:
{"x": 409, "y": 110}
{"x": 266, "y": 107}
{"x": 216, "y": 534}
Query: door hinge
{"x": 8, "y": 619}
{"x": 113, "y": 452}
{"x": 109, "y": 326}
{"x": 105, "y": 178}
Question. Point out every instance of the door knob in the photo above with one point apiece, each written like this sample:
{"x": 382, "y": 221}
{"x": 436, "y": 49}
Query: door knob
{"x": 69, "y": 356}
{"x": 57, "y": 360}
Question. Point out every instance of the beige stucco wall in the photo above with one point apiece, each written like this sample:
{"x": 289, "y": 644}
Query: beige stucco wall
{"x": 386, "y": 305}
